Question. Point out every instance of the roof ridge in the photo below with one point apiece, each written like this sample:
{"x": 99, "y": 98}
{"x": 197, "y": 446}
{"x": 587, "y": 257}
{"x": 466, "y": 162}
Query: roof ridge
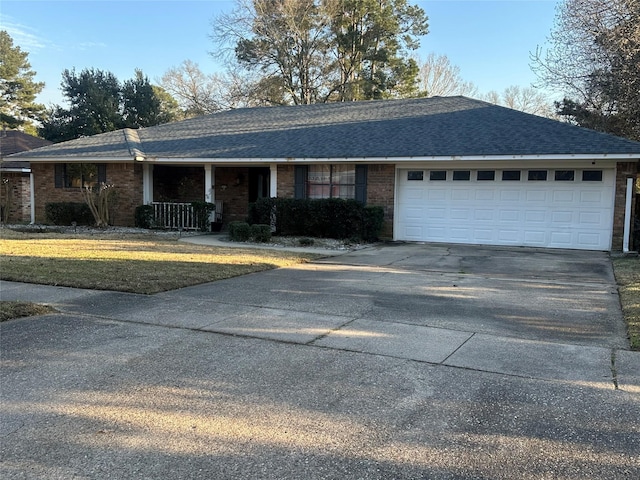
{"x": 133, "y": 142}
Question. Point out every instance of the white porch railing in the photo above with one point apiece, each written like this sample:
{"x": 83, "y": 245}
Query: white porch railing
{"x": 180, "y": 216}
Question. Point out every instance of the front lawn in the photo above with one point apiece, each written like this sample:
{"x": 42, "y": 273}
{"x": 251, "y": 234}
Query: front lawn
{"x": 627, "y": 270}
{"x": 128, "y": 263}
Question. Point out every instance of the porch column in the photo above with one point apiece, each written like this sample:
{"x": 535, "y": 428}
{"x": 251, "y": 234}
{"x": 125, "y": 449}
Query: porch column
{"x": 273, "y": 180}
{"x": 209, "y": 183}
{"x": 147, "y": 184}
{"x": 32, "y": 197}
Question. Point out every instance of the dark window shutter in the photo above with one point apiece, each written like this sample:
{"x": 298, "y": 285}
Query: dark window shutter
{"x": 300, "y": 176}
{"x": 102, "y": 173}
{"x": 59, "y": 175}
{"x": 361, "y": 183}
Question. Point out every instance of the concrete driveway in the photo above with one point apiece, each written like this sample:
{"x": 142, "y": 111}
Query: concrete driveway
{"x": 395, "y": 361}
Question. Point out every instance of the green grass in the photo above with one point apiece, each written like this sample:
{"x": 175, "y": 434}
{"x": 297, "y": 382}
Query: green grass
{"x": 144, "y": 264}
{"x": 627, "y": 271}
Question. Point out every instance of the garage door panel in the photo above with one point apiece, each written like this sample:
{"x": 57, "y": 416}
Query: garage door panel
{"x": 484, "y": 215}
{"x": 509, "y": 195}
{"x": 562, "y": 218}
{"x": 509, "y": 215}
{"x": 591, "y": 196}
{"x": 563, "y": 196}
{"x": 436, "y": 194}
{"x": 587, "y": 239}
{"x": 535, "y": 216}
{"x": 535, "y": 238}
{"x": 530, "y": 213}
{"x": 539, "y": 196}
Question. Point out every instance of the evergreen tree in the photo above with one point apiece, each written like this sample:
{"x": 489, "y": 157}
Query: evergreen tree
{"x": 18, "y": 89}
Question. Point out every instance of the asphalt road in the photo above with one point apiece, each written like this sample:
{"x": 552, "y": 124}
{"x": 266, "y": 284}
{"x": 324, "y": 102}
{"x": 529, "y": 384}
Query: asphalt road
{"x": 393, "y": 362}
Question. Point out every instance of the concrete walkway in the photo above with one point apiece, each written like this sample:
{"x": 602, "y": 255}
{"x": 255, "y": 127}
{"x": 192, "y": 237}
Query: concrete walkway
{"x": 395, "y": 361}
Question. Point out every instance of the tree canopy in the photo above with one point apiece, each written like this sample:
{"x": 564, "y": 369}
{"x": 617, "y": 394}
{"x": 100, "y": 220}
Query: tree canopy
{"x": 18, "y": 89}
{"x": 310, "y": 51}
{"x": 99, "y": 103}
{"x": 594, "y": 59}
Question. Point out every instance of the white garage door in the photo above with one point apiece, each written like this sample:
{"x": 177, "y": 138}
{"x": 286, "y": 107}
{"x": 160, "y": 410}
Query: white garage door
{"x": 542, "y": 208}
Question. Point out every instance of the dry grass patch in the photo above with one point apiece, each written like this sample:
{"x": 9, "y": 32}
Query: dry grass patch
{"x": 128, "y": 263}
{"x": 11, "y": 310}
{"x": 627, "y": 270}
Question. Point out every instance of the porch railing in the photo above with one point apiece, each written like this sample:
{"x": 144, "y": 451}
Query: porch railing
{"x": 180, "y": 216}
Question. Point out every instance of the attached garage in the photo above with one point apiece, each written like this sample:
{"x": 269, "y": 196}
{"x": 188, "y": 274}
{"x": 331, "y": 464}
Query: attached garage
{"x": 565, "y": 207}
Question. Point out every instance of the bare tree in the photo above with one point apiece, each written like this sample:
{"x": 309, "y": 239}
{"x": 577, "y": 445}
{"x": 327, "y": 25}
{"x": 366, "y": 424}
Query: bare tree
{"x": 527, "y": 99}
{"x": 594, "y": 60}
{"x": 438, "y": 77}
{"x": 196, "y": 92}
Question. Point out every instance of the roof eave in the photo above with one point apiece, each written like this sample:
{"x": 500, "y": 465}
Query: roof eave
{"x": 417, "y": 159}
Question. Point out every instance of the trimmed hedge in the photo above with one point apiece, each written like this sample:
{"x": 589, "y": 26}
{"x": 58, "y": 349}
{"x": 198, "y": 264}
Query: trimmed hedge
{"x": 260, "y": 233}
{"x": 243, "y": 232}
{"x": 144, "y": 216}
{"x": 239, "y": 232}
{"x": 65, "y": 213}
{"x": 325, "y": 218}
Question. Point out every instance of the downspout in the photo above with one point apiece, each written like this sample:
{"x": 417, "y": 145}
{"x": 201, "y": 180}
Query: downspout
{"x": 627, "y": 216}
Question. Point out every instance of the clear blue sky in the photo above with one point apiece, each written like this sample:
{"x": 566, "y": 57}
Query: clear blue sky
{"x": 489, "y": 40}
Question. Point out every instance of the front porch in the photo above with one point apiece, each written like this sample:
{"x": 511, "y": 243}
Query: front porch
{"x": 170, "y": 190}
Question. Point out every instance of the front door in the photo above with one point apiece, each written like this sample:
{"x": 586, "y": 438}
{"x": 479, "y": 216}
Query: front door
{"x": 258, "y": 183}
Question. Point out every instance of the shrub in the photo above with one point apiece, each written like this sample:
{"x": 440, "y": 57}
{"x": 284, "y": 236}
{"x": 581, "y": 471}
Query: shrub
{"x": 202, "y": 212}
{"x": 144, "y": 216}
{"x": 239, "y": 231}
{"x": 65, "y": 213}
{"x": 329, "y": 218}
{"x": 373, "y": 221}
{"x": 260, "y": 233}
{"x": 306, "y": 241}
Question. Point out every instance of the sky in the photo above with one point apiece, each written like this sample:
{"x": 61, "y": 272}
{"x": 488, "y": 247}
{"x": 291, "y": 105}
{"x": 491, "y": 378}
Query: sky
{"x": 490, "y": 41}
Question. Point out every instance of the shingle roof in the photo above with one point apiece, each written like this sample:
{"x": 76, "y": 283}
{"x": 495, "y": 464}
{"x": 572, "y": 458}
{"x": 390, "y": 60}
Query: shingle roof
{"x": 427, "y": 127}
{"x": 13, "y": 141}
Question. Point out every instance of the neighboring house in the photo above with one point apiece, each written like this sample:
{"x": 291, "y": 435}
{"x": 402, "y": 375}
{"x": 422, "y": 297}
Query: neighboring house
{"x": 445, "y": 169}
{"x": 15, "y": 178}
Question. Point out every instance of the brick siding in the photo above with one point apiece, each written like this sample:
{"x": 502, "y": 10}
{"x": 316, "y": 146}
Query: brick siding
{"x": 126, "y": 178}
{"x": 15, "y": 195}
{"x": 380, "y": 190}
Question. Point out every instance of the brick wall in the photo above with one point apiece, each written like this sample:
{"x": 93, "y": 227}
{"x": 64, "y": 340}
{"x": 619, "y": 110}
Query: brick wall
{"x": 126, "y": 177}
{"x": 286, "y": 181}
{"x": 624, "y": 170}
{"x": 232, "y": 187}
{"x": 15, "y": 196}
{"x": 380, "y": 189}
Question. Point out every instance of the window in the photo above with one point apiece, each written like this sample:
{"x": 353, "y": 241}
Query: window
{"x": 438, "y": 175}
{"x": 511, "y": 175}
{"x": 415, "y": 175}
{"x": 486, "y": 175}
{"x": 331, "y": 181}
{"x": 79, "y": 175}
{"x": 537, "y": 175}
{"x": 592, "y": 175}
{"x": 461, "y": 174}
{"x": 564, "y": 175}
